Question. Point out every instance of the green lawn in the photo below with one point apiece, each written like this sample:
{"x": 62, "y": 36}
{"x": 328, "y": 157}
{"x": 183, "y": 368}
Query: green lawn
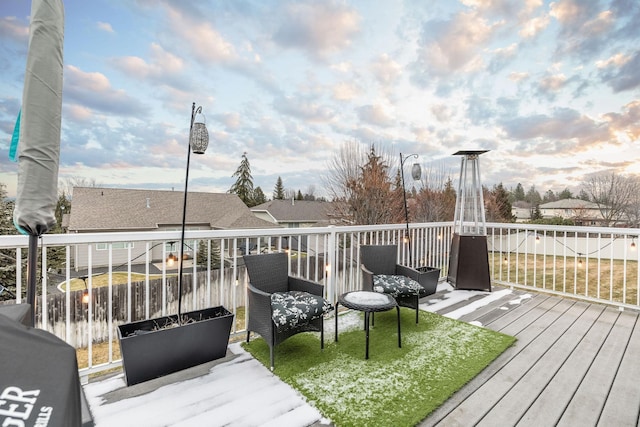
{"x": 118, "y": 278}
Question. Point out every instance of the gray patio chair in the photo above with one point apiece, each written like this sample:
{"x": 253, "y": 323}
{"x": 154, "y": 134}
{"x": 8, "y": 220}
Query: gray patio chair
{"x": 280, "y": 305}
{"x": 381, "y": 273}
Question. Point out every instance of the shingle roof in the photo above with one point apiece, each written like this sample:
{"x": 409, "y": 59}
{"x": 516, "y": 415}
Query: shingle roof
{"x": 569, "y": 204}
{"x": 102, "y": 209}
{"x": 296, "y": 210}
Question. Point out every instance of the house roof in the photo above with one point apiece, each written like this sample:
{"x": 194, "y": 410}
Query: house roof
{"x": 111, "y": 209}
{"x": 569, "y": 204}
{"x": 296, "y": 210}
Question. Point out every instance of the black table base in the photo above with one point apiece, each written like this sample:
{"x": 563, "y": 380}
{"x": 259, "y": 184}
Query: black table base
{"x": 385, "y": 303}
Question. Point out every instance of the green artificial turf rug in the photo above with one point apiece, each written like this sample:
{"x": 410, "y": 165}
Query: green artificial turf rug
{"x": 395, "y": 386}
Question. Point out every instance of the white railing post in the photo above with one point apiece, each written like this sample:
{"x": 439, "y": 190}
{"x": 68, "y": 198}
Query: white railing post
{"x": 331, "y": 265}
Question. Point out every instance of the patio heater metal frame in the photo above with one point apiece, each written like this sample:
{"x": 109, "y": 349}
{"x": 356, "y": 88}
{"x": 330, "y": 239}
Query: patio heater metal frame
{"x": 469, "y": 257}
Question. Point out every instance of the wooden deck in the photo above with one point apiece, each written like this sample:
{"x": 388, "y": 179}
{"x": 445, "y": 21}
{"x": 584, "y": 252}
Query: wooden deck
{"x": 574, "y": 364}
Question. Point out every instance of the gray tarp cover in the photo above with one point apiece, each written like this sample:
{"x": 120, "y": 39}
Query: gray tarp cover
{"x": 39, "y": 147}
{"x": 39, "y": 382}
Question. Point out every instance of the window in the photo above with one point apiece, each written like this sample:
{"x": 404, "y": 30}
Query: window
{"x": 116, "y": 245}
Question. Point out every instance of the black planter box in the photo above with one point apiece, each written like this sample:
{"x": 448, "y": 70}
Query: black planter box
{"x": 156, "y": 347}
{"x": 428, "y": 278}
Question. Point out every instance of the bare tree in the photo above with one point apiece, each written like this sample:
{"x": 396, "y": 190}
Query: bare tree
{"x": 613, "y": 193}
{"x": 436, "y": 199}
{"x": 632, "y": 212}
{"x": 65, "y": 186}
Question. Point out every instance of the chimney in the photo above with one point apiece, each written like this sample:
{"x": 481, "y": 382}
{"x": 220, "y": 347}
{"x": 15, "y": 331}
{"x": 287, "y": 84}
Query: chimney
{"x": 148, "y": 202}
{"x": 293, "y": 201}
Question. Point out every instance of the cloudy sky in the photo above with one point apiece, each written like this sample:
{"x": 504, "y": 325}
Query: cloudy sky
{"x": 551, "y": 88}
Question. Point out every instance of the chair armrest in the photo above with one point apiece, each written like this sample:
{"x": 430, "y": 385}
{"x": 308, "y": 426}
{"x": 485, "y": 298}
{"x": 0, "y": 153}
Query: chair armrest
{"x": 409, "y": 272}
{"x": 300, "y": 284}
{"x": 259, "y": 297}
{"x": 367, "y": 278}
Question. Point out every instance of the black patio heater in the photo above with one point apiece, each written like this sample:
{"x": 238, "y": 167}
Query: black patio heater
{"x": 469, "y": 257}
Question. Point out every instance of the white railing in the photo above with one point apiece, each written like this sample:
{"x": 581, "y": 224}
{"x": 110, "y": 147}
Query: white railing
{"x": 596, "y": 264}
{"x": 329, "y": 255}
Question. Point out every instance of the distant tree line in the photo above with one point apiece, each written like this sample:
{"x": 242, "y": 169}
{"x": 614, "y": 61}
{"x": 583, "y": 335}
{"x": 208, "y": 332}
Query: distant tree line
{"x": 617, "y": 197}
{"x": 243, "y": 187}
{"x": 367, "y": 184}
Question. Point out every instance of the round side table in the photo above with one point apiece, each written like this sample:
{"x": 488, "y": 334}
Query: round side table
{"x": 367, "y": 302}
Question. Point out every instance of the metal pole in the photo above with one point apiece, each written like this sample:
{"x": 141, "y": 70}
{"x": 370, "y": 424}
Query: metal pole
{"x": 184, "y": 218}
{"x": 32, "y": 264}
{"x": 406, "y": 211}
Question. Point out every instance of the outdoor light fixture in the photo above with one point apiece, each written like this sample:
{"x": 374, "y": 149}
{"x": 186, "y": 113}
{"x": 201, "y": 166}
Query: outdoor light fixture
{"x": 633, "y": 243}
{"x": 198, "y": 142}
{"x": 537, "y": 239}
{"x": 416, "y": 173}
{"x": 85, "y": 292}
{"x": 171, "y": 259}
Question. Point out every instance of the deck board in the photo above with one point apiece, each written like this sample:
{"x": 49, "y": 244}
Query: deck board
{"x": 575, "y": 363}
{"x": 587, "y": 403}
{"x": 623, "y": 405}
{"x": 527, "y": 389}
{"x": 554, "y": 398}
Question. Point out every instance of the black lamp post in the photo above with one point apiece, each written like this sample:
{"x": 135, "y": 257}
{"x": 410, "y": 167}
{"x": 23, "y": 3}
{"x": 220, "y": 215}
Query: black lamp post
{"x": 416, "y": 173}
{"x": 198, "y": 142}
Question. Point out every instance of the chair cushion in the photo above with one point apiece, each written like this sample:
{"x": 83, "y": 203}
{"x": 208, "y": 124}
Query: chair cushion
{"x": 396, "y": 285}
{"x": 295, "y": 308}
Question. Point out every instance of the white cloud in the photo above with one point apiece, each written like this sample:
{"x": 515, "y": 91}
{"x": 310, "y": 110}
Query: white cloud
{"x": 375, "y": 115}
{"x": 104, "y": 26}
{"x": 320, "y": 28}
{"x": 345, "y": 91}
{"x": 617, "y": 60}
{"x": 385, "y": 69}
{"x": 534, "y": 26}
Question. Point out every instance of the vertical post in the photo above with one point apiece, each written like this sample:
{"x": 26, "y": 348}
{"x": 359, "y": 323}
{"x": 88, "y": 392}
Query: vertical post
{"x": 404, "y": 195}
{"x": 184, "y": 217}
{"x": 406, "y": 210}
{"x": 32, "y": 264}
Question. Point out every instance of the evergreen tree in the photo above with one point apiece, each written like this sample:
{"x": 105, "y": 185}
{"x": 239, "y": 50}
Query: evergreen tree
{"x": 371, "y": 192}
{"x": 63, "y": 206}
{"x": 533, "y": 196}
{"x": 502, "y": 203}
{"x": 549, "y": 196}
{"x": 584, "y": 195}
{"x": 204, "y": 254}
{"x": 8, "y": 256}
{"x": 243, "y": 186}
{"x": 518, "y": 193}
{"x": 299, "y": 195}
{"x": 259, "y": 197}
{"x": 6, "y": 213}
{"x": 278, "y": 191}
{"x": 535, "y": 213}
{"x": 565, "y": 194}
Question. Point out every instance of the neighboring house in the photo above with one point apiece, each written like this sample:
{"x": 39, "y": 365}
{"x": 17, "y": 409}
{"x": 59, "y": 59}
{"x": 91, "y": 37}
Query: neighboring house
{"x": 521, "y": 211}
{"x": 296, "y": 213}
{"x": 580, "y": 211}
{"x": 95, "y": 209}
{"x": 293, "y": 213}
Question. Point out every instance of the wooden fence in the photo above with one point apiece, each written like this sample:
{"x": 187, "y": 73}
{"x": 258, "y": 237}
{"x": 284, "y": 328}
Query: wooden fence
{"x": 129, "y": 304}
